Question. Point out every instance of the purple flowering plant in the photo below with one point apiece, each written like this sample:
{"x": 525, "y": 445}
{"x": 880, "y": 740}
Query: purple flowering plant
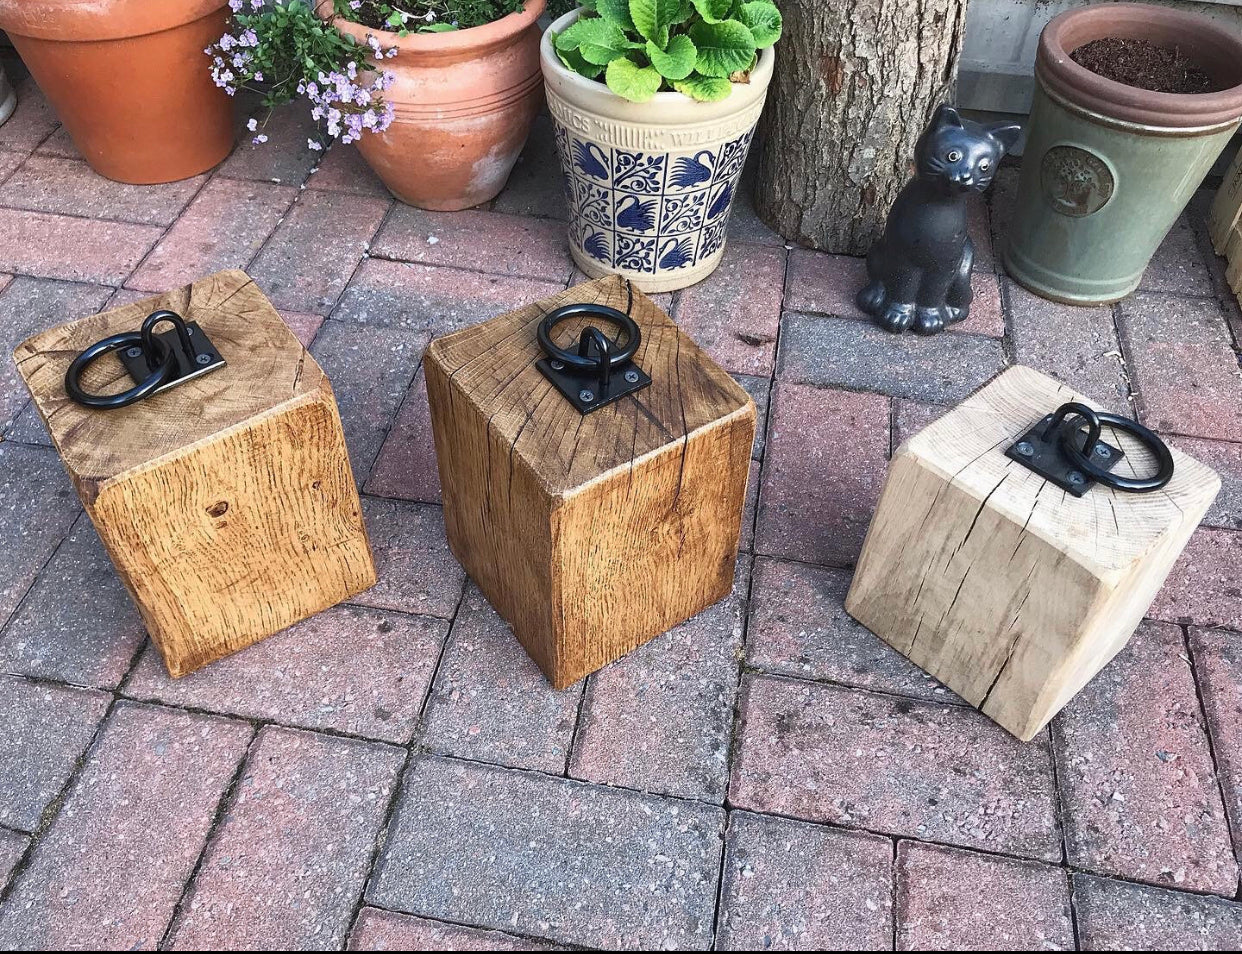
{"x": 283, "y": 50}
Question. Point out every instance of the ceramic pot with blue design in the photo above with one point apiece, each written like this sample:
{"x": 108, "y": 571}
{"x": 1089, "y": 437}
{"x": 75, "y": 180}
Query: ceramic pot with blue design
{"x": 650, "y": 185}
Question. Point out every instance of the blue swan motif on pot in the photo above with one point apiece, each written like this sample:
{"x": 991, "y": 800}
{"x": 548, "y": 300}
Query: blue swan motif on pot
{"x": 597, "y": 247}
{"x": 675, "y": 254}
{"x": 721, "y": 202}
{"x": 691, "y": 172}
{"x": 590, "y": 159}
{"x": 636, "y": 216}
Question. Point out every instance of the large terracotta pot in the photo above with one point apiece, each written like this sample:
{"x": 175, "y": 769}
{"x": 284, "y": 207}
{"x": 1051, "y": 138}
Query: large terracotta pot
{"x": 1108, "y": 168}
{"x": 465, "y": 101}
{"x": 130, "y": 81}
{"x": 650, "y": 185}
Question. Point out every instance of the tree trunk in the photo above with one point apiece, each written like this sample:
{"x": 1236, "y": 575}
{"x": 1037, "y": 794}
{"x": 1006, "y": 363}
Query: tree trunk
{"x": 856, "y": 81}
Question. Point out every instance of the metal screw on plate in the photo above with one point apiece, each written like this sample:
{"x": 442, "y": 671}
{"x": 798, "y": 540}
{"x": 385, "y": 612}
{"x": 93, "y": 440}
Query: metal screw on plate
{"x": 1075, "y": 478}
{"x": 586, "y": 396}
{"x": 557, "y": 365}
{"x": 1101, "y": 451}
{"x": 133, "y": 352}
{"x": 631, "y": 376}
{"x": 203, "y": 359}
{"x": 1025, "y": 448}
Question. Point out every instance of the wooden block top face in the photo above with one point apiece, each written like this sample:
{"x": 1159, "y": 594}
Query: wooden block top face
{"x": 1105, "y": 530}
{"x": 267, "y": 367}
{"x": 492, "y": 366}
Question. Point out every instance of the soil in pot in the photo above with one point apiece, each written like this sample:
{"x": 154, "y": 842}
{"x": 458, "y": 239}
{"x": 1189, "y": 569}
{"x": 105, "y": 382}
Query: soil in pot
{"x": 1144, "y": 65}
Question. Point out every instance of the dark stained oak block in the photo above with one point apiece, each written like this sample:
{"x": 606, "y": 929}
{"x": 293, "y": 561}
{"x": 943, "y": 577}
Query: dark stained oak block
{"x": 589, "y": 534}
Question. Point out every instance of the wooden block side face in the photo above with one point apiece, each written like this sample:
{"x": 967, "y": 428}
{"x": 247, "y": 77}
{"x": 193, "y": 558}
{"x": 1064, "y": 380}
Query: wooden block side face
{"x": 497, "y": 518}
{"x": 1105, "y": 531}
{"x": 266, "y": 366}
{"x": 639, "y": 553}
{"x": 969, "y": 596}
{"x": 1226, "y": 206}
{"x": 492, "y": 366}
{"x": 239, "y": 537}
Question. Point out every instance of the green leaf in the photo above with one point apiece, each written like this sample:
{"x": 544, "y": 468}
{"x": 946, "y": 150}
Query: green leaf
{"x": 436, "y": 28}
{"x": 595, "y": 31}
{"x": 652, "y": 18}
{"x": 713, "y": 11}
{"x": 618, "y": 11}
{"x": 763, "y": 20}
{"x": 574, "y": 61}
{"x": 724, "y": 48}
{"x": 631, "y": 81}
{"x": 706, "y": 89}
{"x": 677, "y": 62}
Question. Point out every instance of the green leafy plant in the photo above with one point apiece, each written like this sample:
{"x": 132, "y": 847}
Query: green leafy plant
{"x": 404, "y": 17}
{"x": 696, "y": 47}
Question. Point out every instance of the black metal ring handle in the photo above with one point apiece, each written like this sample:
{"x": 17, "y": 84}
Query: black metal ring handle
{"x": 162, "y": 369}
{"x": 608, "y": 358}
{"x": 1082, "y": 458}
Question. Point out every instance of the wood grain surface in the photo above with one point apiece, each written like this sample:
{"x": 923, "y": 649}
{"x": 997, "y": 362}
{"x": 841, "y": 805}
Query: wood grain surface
{"x": 589, "y": 534}
{"x": 226, "y": 503}
{"x": 1010, "y": 591}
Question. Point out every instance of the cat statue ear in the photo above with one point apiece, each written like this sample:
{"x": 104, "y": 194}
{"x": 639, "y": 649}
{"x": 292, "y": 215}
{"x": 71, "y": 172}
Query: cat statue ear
{"x": 1006, "y": 134}
{"x": 945, "y": 115}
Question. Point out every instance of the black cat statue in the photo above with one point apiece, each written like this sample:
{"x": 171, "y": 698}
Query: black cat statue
{"x": 919, "y": 269}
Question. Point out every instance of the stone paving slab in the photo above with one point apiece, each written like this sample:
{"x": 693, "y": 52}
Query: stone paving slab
{"x": 286, "y": 866}
{"x": 1204, "y": 586}
{"x": 13, "y": 846}
{"x": 949, "y": 899}
{"x": 44, "y": 729}
{"x": 860, "y": 759}
{"x": 790, "y": 886}
{"x": 417, "y": 573}
{"x": 110, "y": 870}
{"x": 350, "y": 669}
{"x": 1217, "y": 656}
{"x": 550, "y": 858}
{"x": 406, "y": 465}
{"x": 72, "y": 248}
{"x": 1137, "y": 782}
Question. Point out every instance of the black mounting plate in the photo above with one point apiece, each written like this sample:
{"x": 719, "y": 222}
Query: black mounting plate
{"x": 1046, "y": 458}
{"x": 135, "y": 359}
{"x": 626, "y": 378}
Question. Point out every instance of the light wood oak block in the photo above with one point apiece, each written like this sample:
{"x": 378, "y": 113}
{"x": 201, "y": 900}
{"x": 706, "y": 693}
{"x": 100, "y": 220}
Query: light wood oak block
{"x": 1007, "y": 589}
{"x": 589, "y": 534}
{"x": 227, "y": 502}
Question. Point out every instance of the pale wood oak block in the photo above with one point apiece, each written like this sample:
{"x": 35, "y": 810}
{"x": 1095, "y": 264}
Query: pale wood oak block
{"x": 1010, "y": 591}
{"x": 589, "y": 534}
{"x": 226, "y": 503}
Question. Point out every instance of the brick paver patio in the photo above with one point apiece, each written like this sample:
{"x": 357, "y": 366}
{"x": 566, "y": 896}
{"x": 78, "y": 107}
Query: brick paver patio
{"x": 394, "y": 773}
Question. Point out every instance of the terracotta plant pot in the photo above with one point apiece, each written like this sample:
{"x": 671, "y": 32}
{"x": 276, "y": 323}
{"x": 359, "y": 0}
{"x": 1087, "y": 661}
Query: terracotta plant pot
{"x": 465, "y": 101}
{"x": 1108, "y": 167}
{"x": 650, "y": 185}
{"x": 130, "y": 81}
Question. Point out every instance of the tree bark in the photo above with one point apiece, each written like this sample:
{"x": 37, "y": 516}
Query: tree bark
{"x": 856, "y": 81}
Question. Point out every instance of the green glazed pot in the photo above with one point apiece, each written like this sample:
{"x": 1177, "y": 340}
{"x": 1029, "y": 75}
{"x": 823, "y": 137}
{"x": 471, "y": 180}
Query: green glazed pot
{"x": 1108, "y": 168}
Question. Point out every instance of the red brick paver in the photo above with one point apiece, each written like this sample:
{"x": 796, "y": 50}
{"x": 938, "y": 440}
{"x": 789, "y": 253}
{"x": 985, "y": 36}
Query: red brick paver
{"x": 1117, "y": 916}
{"x": 1136, "y": 773}
{"x": 110, "y": 870}
{"x": 12, "y": 847}
{"x": 1218, "y": 664}
{"x": 943, "y": 773}
{"x": 790, "y": 886}
{"x": 821, "y": 440}
{"x": 406, "y": 465}
{"x": 1204, "y": 587}
{"x": 949, "y": 899}
{"x": 379, "y": 930}
{"x": 72, "y": 248}
{"x": 417, "y": 574}
{"x": 349, "y": 669}
{"x": 224, "y": 227}
{"x": 287, "y": 865}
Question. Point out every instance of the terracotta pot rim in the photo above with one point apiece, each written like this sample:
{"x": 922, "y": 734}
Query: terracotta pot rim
{"x": 760, "y": 76}
{"x": 84, "y": 21}
{"x": 1217, "y": 49}
{"x": 451, "y": 42}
